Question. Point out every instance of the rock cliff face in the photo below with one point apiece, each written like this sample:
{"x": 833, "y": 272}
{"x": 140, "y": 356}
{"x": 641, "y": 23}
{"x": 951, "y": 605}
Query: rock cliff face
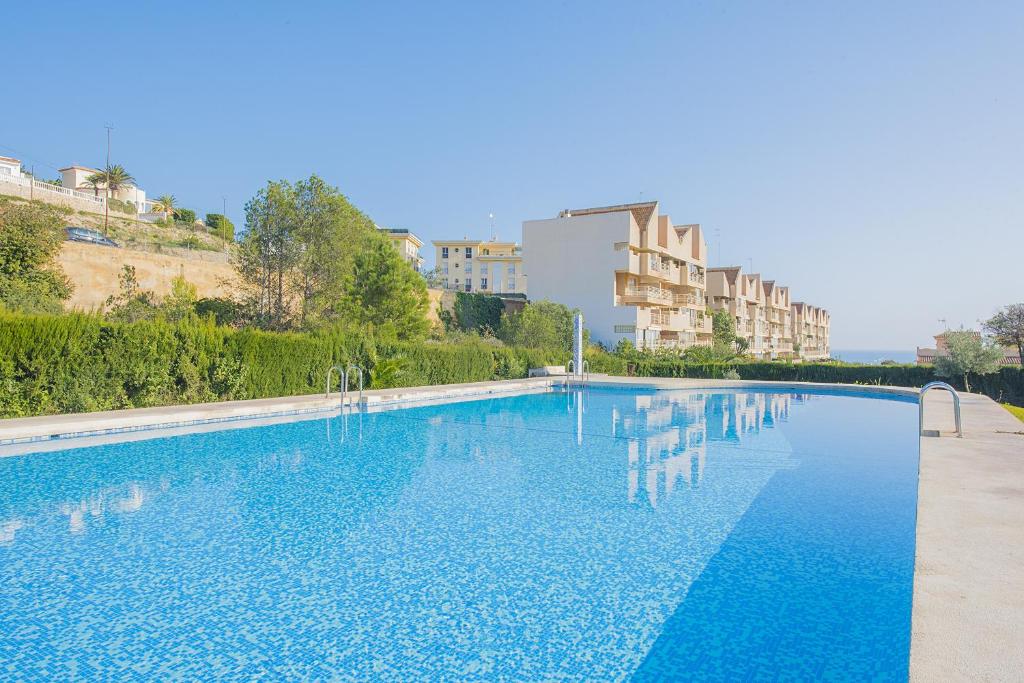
{"x": 94, "y": 270}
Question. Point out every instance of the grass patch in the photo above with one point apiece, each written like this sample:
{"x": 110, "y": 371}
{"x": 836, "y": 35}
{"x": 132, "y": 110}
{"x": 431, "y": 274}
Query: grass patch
{"x": 1016, "y": 411}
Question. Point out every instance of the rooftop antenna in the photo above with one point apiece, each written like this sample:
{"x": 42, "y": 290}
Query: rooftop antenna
{"x": 109, "y": 128}
{"x": 494, "y": 236}
{"x": 718, "y": 244}
{"x": 944, "y": 326}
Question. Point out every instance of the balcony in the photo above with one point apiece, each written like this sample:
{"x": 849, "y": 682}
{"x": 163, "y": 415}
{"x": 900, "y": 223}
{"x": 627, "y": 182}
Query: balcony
{"x": 695, "y": 277}
{"x": 690, "y": 300}
{"x": 647, "y": 295}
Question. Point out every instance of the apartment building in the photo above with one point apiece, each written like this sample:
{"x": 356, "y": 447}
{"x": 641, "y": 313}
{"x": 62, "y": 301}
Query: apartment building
{"x": 811, "y": 330}
{"x": 632, "y": 272}
{"x": 778, "y": 311}
{"x": 490, "y": 266}
{"x": 762, "y": 310}
{"x": 407, "y": 244}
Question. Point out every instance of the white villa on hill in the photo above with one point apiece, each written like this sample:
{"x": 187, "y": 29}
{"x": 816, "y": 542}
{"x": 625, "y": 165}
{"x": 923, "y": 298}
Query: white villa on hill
{"x": 72, "y": 191}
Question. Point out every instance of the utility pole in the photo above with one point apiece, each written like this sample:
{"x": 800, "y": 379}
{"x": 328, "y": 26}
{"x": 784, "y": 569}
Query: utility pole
{"x": 494, "y": 237}
{"x": 109, "y": 128}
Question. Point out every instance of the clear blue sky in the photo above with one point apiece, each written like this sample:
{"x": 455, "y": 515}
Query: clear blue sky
{"x": 869, "y": 155}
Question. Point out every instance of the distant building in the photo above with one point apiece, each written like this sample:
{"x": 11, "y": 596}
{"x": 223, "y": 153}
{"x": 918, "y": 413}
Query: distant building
{"x": 812, "y": 329}
{"x": 926, "y": 356}
{"x": 633, "y": 274}
{"x": 75, "y": 177}
{"x": 407, "y": 244}
{"x": 490, "y": 266}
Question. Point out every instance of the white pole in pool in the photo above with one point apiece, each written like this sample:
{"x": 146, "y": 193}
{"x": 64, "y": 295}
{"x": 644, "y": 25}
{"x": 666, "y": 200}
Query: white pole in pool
{"x": 577, "y": 344}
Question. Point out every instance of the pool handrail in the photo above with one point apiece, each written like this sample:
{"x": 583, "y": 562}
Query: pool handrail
{"x": 347, "y": 377}
{"x": 341, "y": 374}
{"x": 583, "y": 375}
{"x": 956, "y": 406}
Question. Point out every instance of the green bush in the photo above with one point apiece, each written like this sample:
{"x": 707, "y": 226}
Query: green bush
{"x": 185, "y": 216}
{"x": 80, "y": 363}
{"x": 1007, "y": 385}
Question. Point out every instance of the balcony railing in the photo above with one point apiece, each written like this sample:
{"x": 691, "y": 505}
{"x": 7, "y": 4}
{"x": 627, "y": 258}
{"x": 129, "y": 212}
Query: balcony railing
{"x": 648, "y": 293}
{"x": 689, "y": 299}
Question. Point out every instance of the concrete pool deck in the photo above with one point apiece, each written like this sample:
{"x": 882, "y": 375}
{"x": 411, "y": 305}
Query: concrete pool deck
{"x": 968, "y": 610}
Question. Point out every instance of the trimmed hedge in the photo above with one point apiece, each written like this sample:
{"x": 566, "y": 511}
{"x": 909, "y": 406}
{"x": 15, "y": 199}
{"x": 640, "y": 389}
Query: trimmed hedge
{"x": 81, "y": 363}
{"x": 1007, "y": 385}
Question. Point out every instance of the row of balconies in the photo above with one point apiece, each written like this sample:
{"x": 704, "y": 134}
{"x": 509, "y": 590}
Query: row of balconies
{"x": 657, "y": 296}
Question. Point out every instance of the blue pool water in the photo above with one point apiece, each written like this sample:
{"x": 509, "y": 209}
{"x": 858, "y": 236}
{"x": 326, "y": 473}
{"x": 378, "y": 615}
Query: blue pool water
{"x": 609, "y": 535}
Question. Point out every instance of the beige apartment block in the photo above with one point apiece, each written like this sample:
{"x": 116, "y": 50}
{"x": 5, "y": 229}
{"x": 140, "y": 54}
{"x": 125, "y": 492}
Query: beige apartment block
{"x": 811, "y": 329}
{"x": 407, "y": 244}
{"x": 762, "y": 310}
{"x": 778, "y": 311}
{"x": 489, "y": 267}
{"x": 634, "y": 275}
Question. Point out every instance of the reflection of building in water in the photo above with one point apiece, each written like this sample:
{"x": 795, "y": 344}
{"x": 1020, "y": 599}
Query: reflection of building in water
{"x": 673, "y": 429}
{"x": 8, "y": 529}
{"x": 113, "y": 499}
{"x": 730, "y": 416}
{"x": 671, "y": 454}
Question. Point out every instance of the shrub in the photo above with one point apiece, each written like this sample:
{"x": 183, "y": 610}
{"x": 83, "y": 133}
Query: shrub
{"x": 78, "y": 363}
{"x": 185, "y": 216}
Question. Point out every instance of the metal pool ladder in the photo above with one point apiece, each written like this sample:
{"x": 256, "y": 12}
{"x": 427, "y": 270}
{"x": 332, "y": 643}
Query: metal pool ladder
{"x": 345, "y": 375}
{"x": 583, "y": 376}
{"x": 956, "y": 406}
{"x": 348, "y": 376}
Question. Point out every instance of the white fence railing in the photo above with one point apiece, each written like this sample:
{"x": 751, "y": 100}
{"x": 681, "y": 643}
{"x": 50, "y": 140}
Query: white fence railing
{"x": 7, "y": 177}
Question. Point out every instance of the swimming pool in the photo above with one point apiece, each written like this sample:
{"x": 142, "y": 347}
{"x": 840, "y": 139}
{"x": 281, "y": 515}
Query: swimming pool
{"x": 599, "y": 535}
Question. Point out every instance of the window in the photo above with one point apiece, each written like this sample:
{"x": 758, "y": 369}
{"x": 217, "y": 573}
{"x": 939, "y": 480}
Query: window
{"x": 483, "y": 283}
{"x": 469, "y": 285}
{"x": 469, "y": 252}
{"x": 456, "y": 250}
{"x": 511, "y": 284}
{"x": 469, "y": 267}
{"x": 483, "y": 268}
{"x": 444, "y": 268}
{"x": 444, "y": 252}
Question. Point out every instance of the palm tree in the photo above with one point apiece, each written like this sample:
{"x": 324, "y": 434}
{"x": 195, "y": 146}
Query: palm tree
{"x": 165, "y": 203}
{"x": 113, "y": 178}
{"x": 94, "y": 181}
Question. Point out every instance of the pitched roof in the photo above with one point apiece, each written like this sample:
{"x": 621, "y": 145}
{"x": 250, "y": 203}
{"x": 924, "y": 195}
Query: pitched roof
{"x": 730, "y": 272}
{"x": 641, "y": 211}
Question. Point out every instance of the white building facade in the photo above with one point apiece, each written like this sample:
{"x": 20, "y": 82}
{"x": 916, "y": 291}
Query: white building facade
{"x": 633, "y": 274}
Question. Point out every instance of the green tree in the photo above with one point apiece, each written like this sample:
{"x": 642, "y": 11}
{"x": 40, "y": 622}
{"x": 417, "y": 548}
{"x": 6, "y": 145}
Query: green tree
{"x": 31, "y": 235}
{"x": 221, "y": 226}
{"x": 434, "y": 277}
{"x": 541, "y": 324}
{"x": 330, "y": 232}
{"x": 967, "y": 353}
{"x": 181, "y": 302}
{"x": 478, "y": 312}
{"x": 268, "y": 253}
{"x": 723, "y": 327}
{"x": 112, "y": 178}
{"x": 184, "y": 216}
{"x": 132, "y": 303}
{"x": 165, "y": 203}
{"x": 298, "y": 250}
{"x": 384, "y": 291}
{"x": 1007, "y": 326}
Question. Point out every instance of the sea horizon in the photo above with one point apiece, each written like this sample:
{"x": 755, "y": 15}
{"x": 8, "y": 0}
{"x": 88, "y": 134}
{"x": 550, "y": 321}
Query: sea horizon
{"x": 875, "y": 356}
